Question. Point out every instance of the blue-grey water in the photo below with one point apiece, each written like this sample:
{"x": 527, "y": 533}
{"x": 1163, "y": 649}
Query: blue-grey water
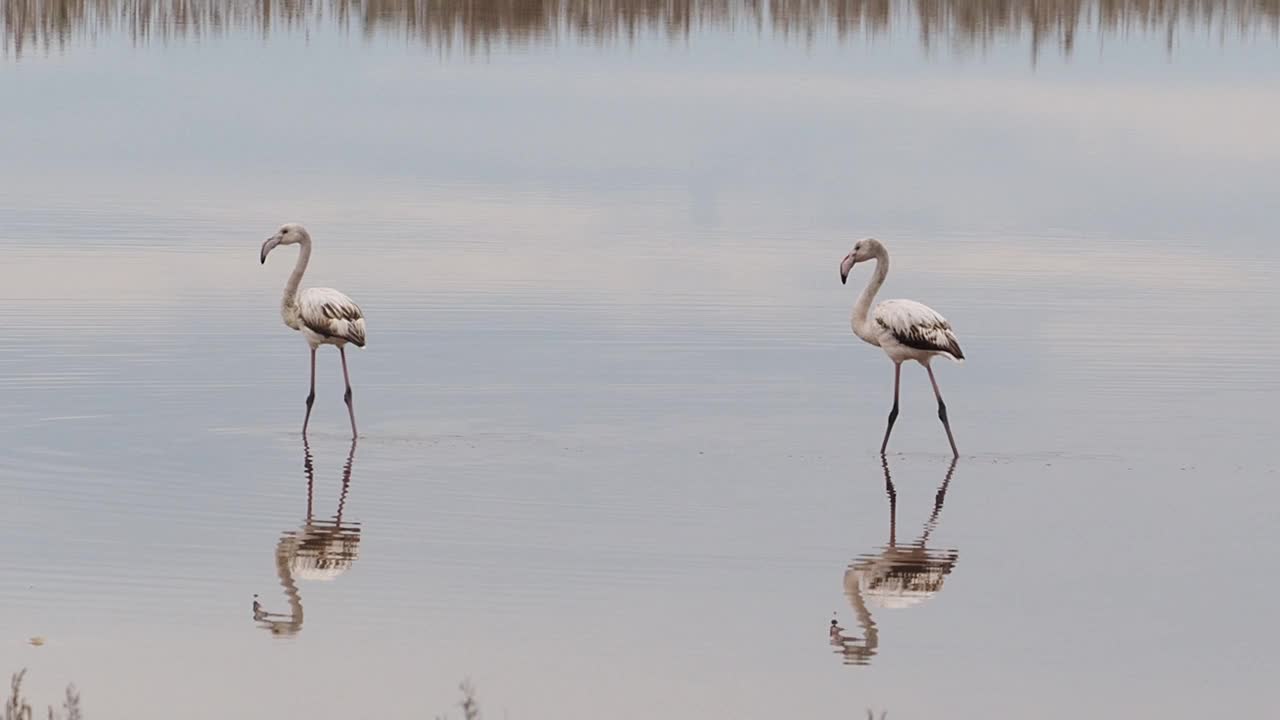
{"x": 619, "y": 446}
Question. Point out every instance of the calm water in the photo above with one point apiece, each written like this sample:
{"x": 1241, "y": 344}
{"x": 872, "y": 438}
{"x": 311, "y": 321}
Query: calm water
{"x": 619, "y": 446}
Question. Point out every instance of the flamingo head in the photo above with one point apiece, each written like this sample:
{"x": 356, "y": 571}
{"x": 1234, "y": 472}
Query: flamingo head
{"x": 864, "y": 249}
{"x": 288, "y": 234}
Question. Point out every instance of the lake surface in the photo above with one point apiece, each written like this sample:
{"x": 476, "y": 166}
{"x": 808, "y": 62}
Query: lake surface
{"x": 619, "y": 453}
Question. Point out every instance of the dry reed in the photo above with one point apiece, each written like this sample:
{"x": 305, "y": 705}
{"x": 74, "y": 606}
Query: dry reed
{"x": 477, "y": 25}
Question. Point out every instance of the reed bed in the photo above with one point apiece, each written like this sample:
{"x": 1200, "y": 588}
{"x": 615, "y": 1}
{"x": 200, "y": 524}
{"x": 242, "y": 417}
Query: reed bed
{"x": 479, "y": 25}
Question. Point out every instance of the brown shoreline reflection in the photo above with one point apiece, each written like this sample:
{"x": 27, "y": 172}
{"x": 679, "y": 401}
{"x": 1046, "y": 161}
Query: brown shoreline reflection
{"x": 895, "y": 576}
{"x": 320, "y": 550}
{"x": 477, "y": 25}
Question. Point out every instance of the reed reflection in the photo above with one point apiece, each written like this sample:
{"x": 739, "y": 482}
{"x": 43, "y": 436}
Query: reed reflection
{"x": 894, "y": 576}
{"x": 482, "y": 24}
{"x": 319, "y": 550}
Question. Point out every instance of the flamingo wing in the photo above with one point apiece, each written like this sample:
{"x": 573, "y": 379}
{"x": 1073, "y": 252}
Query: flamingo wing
{"x": 327, "y": 312}
{"x": 917, "y": 326}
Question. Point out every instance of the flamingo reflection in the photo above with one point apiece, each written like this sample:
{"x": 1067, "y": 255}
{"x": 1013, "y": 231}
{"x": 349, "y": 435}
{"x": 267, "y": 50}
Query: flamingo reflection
{"x": 895, "y": 576}
{"x": 319, "y": 550}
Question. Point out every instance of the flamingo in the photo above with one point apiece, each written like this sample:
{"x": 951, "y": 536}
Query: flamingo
{"x": 904, "y": 329}
{"x": 324, "y": 316}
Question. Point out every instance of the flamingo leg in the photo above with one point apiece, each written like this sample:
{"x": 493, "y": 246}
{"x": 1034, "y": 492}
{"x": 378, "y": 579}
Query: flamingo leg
{"x": 942, "y": 411}
{"x": 893, "y": 414}
{"x": 893, "y": 501}
{"x": 347, "y": 396}
{"x": 311, "y": 398}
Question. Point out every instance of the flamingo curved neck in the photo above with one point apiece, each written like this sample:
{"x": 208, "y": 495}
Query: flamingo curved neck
{"x": 868, "y": 625}
{"x": 858, "y": 650}
{"x": 279, "y": 623}
{"x": 285, "y": 573}
{"x": 862, "y": 309}
{"x": 289, "y": 303}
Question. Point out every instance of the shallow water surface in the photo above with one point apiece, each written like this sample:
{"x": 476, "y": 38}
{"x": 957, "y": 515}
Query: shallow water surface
{"x": 619, "y": 447}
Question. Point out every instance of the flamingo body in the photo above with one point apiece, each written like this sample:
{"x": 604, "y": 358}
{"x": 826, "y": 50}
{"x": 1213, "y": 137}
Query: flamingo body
{"x": 908, "y": 330}
{"x": 324, "y": 316}
{"x": 328, "y": 317}
{"x": 903, "y": 329}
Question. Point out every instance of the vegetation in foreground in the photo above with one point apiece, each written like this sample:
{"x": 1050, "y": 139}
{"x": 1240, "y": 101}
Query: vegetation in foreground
{"x": 18, "y": 708}
{"x": 470, "y": 706}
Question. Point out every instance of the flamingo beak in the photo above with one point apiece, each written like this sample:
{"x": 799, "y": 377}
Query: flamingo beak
{"x": 845, "y": 266}
{"x": 267, "y": 247}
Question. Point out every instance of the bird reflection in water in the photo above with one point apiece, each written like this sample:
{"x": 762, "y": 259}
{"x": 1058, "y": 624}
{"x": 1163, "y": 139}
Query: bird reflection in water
{"x": 319, "y": 550}
{"x": 896, "y": 576}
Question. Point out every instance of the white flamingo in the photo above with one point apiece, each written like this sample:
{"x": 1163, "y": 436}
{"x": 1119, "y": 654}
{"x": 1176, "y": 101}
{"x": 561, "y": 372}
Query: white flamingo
{"x": 904, "y": 329}
{"x": 324, "y": 316}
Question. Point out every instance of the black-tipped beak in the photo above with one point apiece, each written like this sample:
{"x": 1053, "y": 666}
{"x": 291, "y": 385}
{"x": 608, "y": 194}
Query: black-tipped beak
{"x": 845, "y": 266}
{"x": 266, "y": 248}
